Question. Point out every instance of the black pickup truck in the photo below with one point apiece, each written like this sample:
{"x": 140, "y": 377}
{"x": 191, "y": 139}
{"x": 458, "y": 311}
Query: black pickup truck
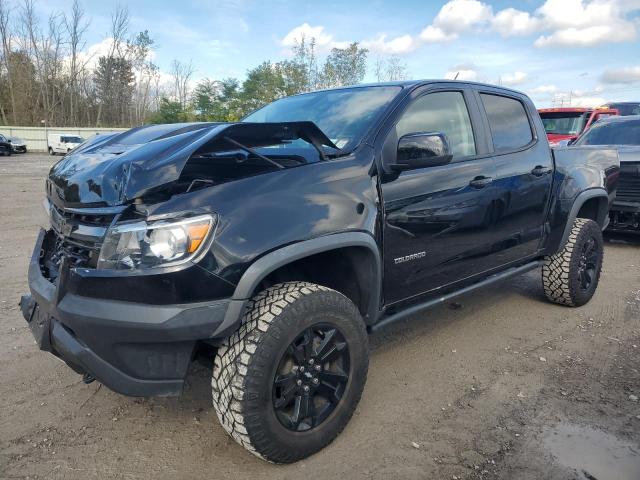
{"x": 278, "y": 242}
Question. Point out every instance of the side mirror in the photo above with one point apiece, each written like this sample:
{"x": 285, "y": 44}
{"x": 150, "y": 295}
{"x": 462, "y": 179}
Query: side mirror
{"x": 9, "y": 140}
{"x": 421, "y": 150}
{"x": 572, "y": 141}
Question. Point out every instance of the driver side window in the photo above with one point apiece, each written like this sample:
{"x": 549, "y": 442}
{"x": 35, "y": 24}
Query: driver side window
{"x": 444, "y": 112}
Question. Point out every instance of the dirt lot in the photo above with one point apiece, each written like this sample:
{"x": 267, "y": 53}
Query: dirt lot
{"x": 498, "y": 385}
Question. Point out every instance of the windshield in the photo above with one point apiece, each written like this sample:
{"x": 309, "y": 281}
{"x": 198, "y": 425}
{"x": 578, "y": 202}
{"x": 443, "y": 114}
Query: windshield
{"x": 72, "y": 140}
{"x": 563, "y": 123}
{"x": 344, "y": 115}
{"x": 612, "y": 133}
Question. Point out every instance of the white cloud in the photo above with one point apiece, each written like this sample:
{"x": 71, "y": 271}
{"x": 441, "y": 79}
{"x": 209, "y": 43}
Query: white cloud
{"x": 394, "y": 46}
{"x": 433, "y": 34}
{"x": 461, "y": 73}
{"x": 571, "y": 23}
{"x": 457, "y": 16}
{"x": 622, "y": 75}
{"x": 513, "y": 79}
{"x": 588, "y": 36}
{"x": 561, "y": 23}
{"x": 510, "y": 22}
{"x": 542, "y": 89}
{"x": 570, "y": 99}
{"x": 323, "y": 39}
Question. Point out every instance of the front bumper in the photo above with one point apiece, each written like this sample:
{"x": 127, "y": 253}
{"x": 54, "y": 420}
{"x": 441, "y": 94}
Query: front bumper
{"x": 624, "y": 217}
{"x": 133, "y": 348}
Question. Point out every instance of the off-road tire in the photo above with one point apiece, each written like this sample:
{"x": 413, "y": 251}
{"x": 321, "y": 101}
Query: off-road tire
{"x": 560, "y": 272}
{"x": 245, "y": 366}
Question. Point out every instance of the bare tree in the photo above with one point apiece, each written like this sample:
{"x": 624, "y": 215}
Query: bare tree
{"x": 182, "y": 73}
{"x": 76, "y": 26}
{"x": 5, "y": 34}
{"x": 118, "y": 34}
{"x": 390, "y": 69}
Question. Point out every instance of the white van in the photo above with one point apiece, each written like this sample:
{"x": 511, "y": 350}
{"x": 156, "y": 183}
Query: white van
{"x": 62, "y": 143}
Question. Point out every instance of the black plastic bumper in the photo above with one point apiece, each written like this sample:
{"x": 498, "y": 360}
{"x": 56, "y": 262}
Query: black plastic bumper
{"x": 624, "y": 217}
{"x": 134, "y": 349}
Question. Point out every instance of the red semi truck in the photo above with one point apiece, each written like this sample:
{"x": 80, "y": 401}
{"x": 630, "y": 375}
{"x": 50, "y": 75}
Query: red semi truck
{"x": 568, "y": 123}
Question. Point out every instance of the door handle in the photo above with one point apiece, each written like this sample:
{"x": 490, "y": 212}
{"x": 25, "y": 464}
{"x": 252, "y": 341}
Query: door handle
{"x": 480, "y": 181}
{"x": 539, "y": 170}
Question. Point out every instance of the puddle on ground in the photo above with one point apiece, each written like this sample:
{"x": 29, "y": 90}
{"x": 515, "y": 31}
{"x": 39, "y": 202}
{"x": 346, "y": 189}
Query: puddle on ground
{"x": 594, "y": 454}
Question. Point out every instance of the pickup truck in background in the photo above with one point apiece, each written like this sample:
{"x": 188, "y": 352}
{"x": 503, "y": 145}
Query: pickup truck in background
{"x": 275, "y": 244}
{"x": 623, "y": 108}
{"x": 622, "y": 133}
{"x": 566, "y": 124}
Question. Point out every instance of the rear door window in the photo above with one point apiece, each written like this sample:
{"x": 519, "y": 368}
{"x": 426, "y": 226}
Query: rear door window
{"x": 509, "y": 122}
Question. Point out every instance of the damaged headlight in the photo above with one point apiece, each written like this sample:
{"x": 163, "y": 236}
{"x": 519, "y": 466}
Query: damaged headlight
{"x": 142, "y": 245}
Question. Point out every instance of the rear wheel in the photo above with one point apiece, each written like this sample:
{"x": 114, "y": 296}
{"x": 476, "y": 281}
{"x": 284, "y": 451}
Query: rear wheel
{"x": 287, "y": 382}
{"x": 570, "y": 277}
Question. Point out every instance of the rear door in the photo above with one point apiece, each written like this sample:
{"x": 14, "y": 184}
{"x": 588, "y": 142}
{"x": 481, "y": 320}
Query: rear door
{"x": 524, "y": 168}
{"x": 436, "y": 219}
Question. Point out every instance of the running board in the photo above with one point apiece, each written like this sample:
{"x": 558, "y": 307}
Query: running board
{"x": 511, "y": 272}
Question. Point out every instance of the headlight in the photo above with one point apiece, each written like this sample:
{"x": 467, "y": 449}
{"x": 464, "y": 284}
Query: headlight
{"x": 142, "y": 245}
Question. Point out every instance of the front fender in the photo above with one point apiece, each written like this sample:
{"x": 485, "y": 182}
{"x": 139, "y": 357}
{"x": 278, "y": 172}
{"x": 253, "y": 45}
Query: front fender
{"x": 270, "y": 262}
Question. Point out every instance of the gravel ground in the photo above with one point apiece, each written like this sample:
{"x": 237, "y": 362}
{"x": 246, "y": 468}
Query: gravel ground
{"x": 500, "y": 384}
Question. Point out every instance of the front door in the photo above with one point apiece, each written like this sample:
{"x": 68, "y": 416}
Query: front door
{"x": 437, "y": 219}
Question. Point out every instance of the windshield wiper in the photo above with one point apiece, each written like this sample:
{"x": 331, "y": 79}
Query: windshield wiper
{"x": 254, "y": 152}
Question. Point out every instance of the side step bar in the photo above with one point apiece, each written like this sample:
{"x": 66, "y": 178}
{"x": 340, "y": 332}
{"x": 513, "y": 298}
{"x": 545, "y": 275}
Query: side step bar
{"x": 511, "y": 272}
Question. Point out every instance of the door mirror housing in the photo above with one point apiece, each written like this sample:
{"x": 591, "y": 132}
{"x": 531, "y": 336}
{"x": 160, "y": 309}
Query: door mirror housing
{"x": 422, "y": 150}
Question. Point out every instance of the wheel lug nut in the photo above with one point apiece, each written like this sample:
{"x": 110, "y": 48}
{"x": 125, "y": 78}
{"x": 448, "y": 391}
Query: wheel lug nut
{"x": 299, "y": 382}
{"x": 315, "y": 381}
{"x": 301, "y": 369}
{"x": 306, "y": 388}
{"x": 311, "y": 362}
{"x": 317, "y": 367}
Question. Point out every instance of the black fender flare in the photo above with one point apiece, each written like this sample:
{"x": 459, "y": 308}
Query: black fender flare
{"x": 275, "y": 259}
{"x": 578, "y": 202}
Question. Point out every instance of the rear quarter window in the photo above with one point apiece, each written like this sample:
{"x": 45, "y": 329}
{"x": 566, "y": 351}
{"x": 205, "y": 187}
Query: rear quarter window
{"x": 509, "y": 122}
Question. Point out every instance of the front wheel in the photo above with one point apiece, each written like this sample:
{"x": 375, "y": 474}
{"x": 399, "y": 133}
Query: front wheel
{"x": 288, "y": 381}
{"x": 570, "y": 277}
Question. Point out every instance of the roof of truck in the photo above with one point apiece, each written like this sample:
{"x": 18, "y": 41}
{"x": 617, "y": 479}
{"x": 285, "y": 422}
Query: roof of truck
{"x": 566, "y": 109}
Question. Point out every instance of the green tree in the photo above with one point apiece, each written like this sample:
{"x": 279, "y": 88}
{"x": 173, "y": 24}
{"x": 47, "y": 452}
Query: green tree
{"x": 170, "y": 112}
{"x": 271, "y": 81}
{"x": 115, "y": 81}
{"x": 344, "y": 66}
{"x": 205, "y": 100}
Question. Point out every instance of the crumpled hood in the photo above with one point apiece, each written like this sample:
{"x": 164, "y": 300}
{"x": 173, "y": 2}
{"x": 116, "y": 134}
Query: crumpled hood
{"x": 113, "y": 169}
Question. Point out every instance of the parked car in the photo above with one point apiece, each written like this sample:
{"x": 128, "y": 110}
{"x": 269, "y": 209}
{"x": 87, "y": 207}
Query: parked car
{"x": 62, "y": 143}
{"x": 624, "y": 134}
{"x": 624, "y": 108}
{"x": 17, "y": 145}
{"x": 566, "y": 124}
{"x": 279, "y": 241}
{"x": 5, "y": 146}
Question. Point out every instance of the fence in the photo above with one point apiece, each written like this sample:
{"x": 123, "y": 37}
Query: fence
{"x": 36, "y": 137}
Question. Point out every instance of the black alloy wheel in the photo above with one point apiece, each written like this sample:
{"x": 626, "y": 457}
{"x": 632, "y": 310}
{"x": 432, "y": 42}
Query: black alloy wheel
{"x": 588, "y": 264}
{"x": 311, "y": 377}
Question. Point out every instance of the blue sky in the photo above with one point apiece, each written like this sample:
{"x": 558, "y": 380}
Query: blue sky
{"x": 588, "y": 50}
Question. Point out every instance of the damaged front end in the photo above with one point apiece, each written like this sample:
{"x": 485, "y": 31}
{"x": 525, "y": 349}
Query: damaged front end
{"x": 122, "y": 293}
